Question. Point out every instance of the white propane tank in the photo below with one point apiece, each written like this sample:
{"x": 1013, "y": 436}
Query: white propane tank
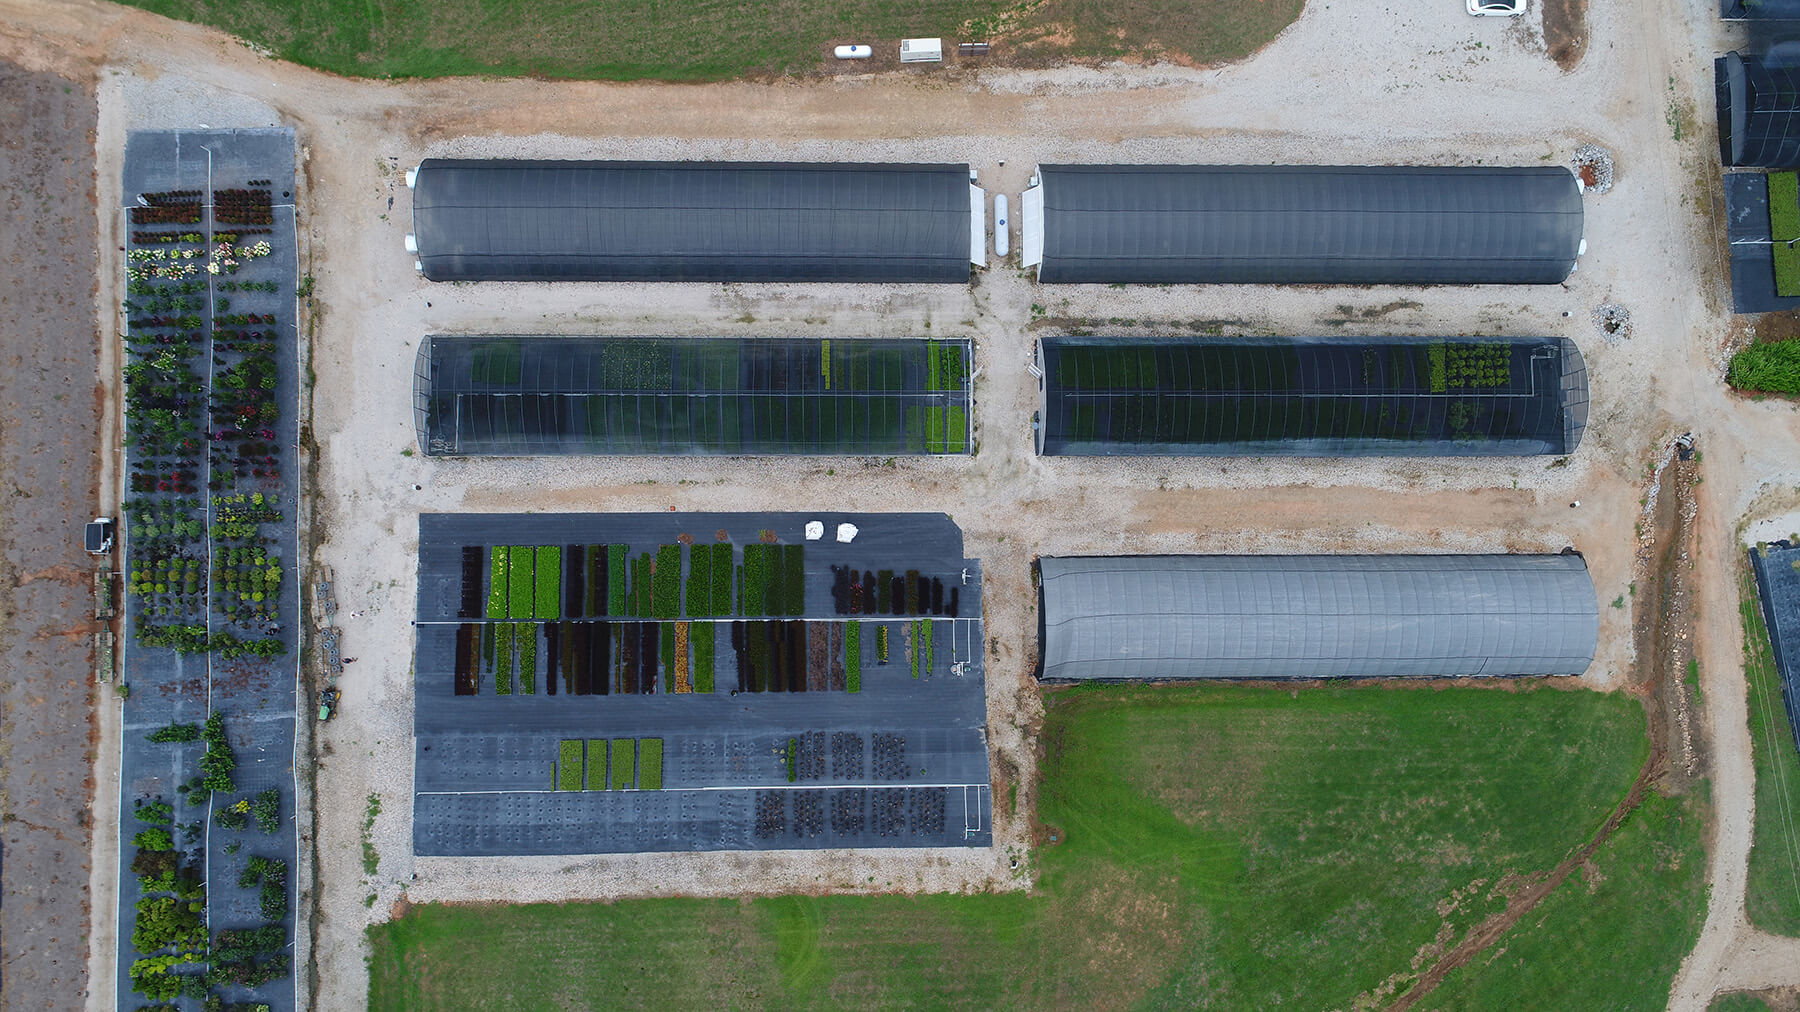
{"x": 1002, "y": 241}
{"x": 853, "y": 52}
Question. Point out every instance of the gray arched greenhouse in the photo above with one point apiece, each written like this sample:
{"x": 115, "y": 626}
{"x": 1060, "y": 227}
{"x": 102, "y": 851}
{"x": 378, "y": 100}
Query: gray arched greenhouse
{"x": 514, "y": 220}
{"x": 1302, "y": 224}
{"x": 1315, "y": 616}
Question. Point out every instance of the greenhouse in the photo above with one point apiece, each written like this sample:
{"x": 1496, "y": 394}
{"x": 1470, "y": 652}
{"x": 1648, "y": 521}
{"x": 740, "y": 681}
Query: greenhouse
{"x": 524, "y": 396}
{"x": 495, "y": 220}
{"x": 1302, "y": 224}
{"x": 1316, "y": 616}
{"x": 1759, "y": 111}
{"x": 1311, "y": 397}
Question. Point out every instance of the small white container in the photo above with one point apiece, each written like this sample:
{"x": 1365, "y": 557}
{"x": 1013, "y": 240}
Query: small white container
{"x": 853, "y": 52}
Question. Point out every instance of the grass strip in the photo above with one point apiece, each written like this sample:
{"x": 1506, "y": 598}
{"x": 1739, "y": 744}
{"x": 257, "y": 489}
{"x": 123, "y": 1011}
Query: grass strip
{"x": 650, "y": 763}
{"x": 596, "y": 764}
{"x": 548, "y": 598}
{"x": 569, "y": 767}
{"x": 1772, "y": 888}
{"x": 623, "y": 775}
{"x": 1784, "y": 228}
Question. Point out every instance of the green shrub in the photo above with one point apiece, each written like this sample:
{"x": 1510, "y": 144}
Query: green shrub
{"x": 624, "y": 764}
{"x": 650, "y": 757}
{"x": 1784, "y": 228}
{"x": 503, "y": 659}
{"x": 616, "y": 582}
{"x": 266, "y": 809}
{"x": 158, "y": 812}
{"x": 178, "y": 733}
{"x": 569, "y": 771}
{"x": 853, "y": 656}
{"x": 154, "y": 838}
{"x": 548, "y": 599}
{"x": 793, "y": 581}
{"x": 218, "y": 762}
{"x": 793, "y": 748}
{"x": 703, "y": 642}
{"x": 699, "y": 581}
{"x": 721, "y": 572}
{"x": 665, "y": 602}
{"x": 525, "y": 634}
{"x": 930, "y": 655}
{"x": 596, "y": 764}
{"x": 498, "y": 582}
{"x": 665, "y": 643}
{"x": 1767, "y": 367}
{"x": 521, "y": 579}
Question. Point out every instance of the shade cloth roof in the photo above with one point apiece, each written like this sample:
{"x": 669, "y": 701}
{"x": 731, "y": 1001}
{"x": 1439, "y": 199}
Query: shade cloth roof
{"x": 1758, "y": 112}
{"x": 1316, "y": 616}
{"x": 1299, "y": 396}
{"x": 1308, "y": 224}
{"x": 505, "y": 220}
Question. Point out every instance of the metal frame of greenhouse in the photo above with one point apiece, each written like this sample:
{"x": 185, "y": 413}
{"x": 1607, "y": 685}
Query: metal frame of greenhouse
{"x": 516, "y": 220}
{"x": 1316, "y": 616}
{"x": 1310, "y": 397}
{"x": 1302, "y": 224}
{"x": 513, "y": 395}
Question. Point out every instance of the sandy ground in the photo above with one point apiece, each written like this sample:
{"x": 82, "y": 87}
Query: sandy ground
{"x": 1430, "y": 85}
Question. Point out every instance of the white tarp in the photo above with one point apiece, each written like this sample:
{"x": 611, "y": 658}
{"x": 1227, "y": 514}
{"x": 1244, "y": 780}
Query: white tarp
{"x": 977, "y": 225}
{"x": 1031, "y": 222}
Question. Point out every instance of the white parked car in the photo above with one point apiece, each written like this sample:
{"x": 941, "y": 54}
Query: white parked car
{"x": 1496, "y": 8}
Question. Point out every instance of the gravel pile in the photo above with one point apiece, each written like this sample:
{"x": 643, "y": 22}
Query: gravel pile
{"x": 1613, "y": 320}
{"x": 1594, "y": 164}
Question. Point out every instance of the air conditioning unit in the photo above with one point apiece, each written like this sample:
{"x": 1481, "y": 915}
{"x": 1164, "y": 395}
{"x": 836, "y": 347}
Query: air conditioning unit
{"x": 921, "y": 50}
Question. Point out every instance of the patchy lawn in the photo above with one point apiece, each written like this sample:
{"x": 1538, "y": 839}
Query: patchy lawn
{"x": 699, "y": 40}
{"x": 1223, "y": 847}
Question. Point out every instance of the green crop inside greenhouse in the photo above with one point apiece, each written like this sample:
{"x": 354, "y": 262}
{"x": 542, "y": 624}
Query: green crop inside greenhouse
{"x": 523, "y": 396}
{"x": 1311, "y": 397}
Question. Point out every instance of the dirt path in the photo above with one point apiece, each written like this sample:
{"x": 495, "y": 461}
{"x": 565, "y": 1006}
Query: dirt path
{"x": 48, "y": 439}
{"x": 1425, "y": 67}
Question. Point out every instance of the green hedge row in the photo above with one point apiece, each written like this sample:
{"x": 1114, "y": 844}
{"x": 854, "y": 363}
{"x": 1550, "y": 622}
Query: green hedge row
{"x": 665, "y": 601}
{"x": 703, "y": 641}
{"x": 569, "y": 767}
{"x": 521, "y": 573}
{"x": 624, "y": 764}
{"x": 650, "y": 762}
{"x": 853, "y": 656}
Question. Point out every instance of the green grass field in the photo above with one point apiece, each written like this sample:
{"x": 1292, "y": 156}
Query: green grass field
{"x": 1773, "y": 887}
{"x": 1222, "y": 847}
{"x": 706, "y": 39}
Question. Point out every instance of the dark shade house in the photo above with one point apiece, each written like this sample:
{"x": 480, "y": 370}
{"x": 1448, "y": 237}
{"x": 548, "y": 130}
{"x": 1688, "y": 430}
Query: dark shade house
{"x": 524, "y": 395}
{"x": 1759, "y": 10}
{"x": 1306, "y": 224}
{"x": 1316, "y": 616}
{"x": 490, "y": 220}
{"x": 1759, "y": 111}
{"x": 1777, "y": 568}
{"x": 1311, "y": 397}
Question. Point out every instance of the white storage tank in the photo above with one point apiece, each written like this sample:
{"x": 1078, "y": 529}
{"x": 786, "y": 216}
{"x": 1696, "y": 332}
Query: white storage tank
{"x": 1002, "y": 241}
{"x": 921, "y": 50}
{"x": 853, "y": 52}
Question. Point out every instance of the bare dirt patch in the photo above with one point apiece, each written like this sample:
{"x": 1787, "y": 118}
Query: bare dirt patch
{"x": 1565, "y": 31}
{"x": 48, "y": 476}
